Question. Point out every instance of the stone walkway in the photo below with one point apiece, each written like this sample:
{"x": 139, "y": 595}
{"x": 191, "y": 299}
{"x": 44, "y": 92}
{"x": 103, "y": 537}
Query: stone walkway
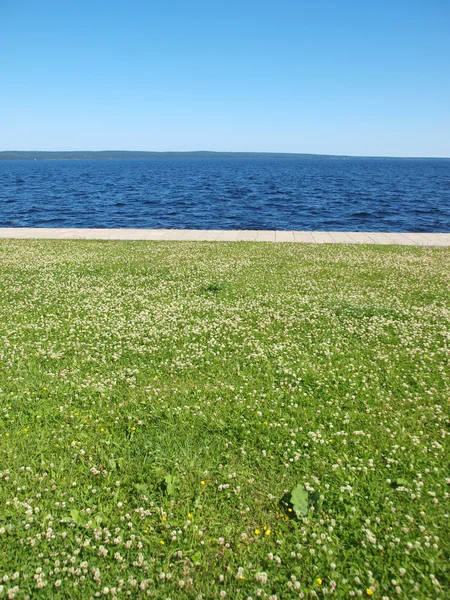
{"x": 307, "y": 237}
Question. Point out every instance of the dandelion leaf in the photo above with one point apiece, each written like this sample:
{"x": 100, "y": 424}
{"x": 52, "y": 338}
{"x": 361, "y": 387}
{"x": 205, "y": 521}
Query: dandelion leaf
{"x": 171, "y": 484}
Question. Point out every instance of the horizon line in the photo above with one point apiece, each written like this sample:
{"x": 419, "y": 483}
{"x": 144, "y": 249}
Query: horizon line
{"x": 235, "y": 152}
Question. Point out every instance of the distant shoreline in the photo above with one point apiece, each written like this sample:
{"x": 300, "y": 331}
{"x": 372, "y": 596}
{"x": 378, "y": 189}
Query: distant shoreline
{"x": 129, "y": 154}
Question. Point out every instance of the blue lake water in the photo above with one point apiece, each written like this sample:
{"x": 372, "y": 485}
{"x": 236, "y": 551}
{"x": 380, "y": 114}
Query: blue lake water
{"x": 230, "y": 193}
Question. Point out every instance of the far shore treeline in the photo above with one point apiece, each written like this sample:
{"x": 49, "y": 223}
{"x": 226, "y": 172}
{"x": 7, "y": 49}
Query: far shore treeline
{"x": 125, "y": 154}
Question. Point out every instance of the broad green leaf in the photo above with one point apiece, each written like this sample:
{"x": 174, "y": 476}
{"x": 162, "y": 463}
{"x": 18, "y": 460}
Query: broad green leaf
{"x": 299, "y": 500}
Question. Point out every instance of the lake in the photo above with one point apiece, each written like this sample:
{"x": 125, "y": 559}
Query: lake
{"x": 295, "y": 193}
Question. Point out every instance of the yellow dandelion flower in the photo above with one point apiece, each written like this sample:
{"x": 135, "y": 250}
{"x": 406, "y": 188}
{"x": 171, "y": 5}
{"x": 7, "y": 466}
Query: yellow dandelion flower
{"x": 190, "y": 516}
{"x": 257, "y": 531}
{"x": 202, "y": 483}
{"x": 268, "y": 532}
{"x": 161, "y": 542}
{"x": 369, "y": 592}
{"x": 133, "y": 429}
{"x": 319, "y": 581}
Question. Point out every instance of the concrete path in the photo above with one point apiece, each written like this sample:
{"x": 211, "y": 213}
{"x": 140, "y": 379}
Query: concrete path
{"x": 311, "y": 237}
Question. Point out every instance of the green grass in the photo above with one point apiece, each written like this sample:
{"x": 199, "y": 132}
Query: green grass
{"x": 159, "y": 400}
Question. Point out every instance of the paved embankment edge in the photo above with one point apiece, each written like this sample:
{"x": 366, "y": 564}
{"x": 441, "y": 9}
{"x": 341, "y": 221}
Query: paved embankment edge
{"x": 238, "y": 235}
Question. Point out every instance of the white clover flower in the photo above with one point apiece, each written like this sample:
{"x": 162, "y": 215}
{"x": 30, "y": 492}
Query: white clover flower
{"x": 262, "y": 577}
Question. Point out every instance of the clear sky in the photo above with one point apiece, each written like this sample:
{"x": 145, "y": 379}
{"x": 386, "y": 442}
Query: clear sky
{"x": 353, "y": 77}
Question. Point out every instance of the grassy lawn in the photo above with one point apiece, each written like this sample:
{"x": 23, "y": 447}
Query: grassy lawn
{"x": 160, "y": 402}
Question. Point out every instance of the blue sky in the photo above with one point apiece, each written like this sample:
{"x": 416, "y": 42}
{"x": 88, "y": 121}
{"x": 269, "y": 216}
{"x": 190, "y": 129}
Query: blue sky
{"x": 350, "y": 77}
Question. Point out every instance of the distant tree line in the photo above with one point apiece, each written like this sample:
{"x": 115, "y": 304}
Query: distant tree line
{"x": 124, "y": 154}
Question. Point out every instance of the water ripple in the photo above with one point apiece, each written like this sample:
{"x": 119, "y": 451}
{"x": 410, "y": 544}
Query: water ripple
{"x": 231, "y": 193}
